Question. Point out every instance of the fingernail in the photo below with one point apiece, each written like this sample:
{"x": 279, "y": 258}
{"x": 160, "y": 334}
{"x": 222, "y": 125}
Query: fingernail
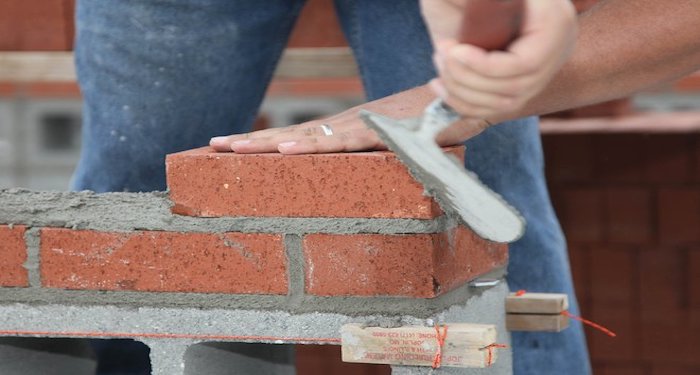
{"x": 240, "y": 143}
{"x": 217, "y": 140}
{"x": 286, "y": 144}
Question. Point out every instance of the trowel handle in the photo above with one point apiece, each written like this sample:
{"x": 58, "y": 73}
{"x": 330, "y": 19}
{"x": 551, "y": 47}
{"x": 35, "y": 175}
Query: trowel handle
{"x": 491, "y": 24}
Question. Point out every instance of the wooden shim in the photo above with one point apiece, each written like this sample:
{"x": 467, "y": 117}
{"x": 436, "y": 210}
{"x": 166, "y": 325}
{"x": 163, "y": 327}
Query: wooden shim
{"x": 537, "y": 303}
{"x": 537, "y": 322}
{"x": 465, "y": 345}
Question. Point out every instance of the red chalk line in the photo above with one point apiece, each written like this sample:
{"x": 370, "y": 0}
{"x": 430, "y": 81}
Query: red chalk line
{"x": 171, "y": 336}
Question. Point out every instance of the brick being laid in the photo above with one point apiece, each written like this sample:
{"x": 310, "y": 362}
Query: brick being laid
{"x": 364, "y": 184}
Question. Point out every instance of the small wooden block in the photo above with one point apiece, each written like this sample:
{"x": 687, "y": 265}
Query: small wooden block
{"x": 465, "y": 345}
{"x": 536, "y": 303}
{"x": 537, "y": 322}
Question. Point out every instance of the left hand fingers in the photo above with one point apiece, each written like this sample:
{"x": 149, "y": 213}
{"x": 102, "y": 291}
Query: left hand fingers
{"x": 353, "y": 140}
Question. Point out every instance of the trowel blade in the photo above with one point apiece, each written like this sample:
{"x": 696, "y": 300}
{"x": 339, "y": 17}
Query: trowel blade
{"x": 458, "y": 191}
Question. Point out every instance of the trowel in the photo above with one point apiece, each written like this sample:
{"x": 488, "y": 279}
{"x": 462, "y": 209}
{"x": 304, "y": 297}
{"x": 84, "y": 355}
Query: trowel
{"x": 491, "y": 25}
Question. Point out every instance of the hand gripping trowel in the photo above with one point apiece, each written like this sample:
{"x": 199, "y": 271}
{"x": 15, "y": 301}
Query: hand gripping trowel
{"x": 492, "y": 25}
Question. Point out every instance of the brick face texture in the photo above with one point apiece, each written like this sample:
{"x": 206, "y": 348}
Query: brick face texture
{"x": 418, "y": 265}
{"x": 371, "y": 185}
{"x": 13, "y": 254}
{"x": 630, "y": 207}
{"x": 163, "y": 262}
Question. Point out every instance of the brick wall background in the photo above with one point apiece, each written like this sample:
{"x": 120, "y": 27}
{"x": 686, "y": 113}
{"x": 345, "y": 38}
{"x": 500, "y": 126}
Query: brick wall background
{"x": 630, "y": 207}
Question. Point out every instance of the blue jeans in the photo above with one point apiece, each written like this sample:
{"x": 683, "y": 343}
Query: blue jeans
{"x": 164, "y": 76}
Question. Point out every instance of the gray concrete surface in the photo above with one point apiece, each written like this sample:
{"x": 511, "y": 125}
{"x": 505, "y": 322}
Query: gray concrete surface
{"x": 171, "y": 331}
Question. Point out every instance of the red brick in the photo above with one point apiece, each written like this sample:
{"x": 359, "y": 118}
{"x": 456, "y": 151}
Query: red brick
{"x": 661, "y": 284}
{"x": 620, "y": 158}
{"x": 672, "y": 343}
{"x": 617, "y": 107}
{"x": 461, "y": 256}
{"x": 693, "y": 287}
{"x": 679, "y": 215}
{"x": 662, "y": 369}
{"x": 669, "y": 158}
{"x": 581, "y": 215}
{"x": 363, "y": 184}
{"x": 317, "y": 15}
{"x": 416, "y": 265}
{"x": 164, "y": 261}
{"x": 689, "y": 83}
{"x": 13, "y": 254}
{"x": 615, "y": 369}
{"x": 612, "y": 277}
{"x": 52, "y": 89}
{"x": 629, "y": 215}
{"x": 568, "y": 158}
{"x": 696, "y": 160}
{"x": 580, "y": 268}
{"x": 325, "y": 359}
{"x": 29, "y": 26}
{"x": 623, "y": 347}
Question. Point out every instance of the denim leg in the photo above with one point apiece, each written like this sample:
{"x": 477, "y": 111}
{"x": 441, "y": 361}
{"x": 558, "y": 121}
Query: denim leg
{"x": 164, "y": 76}
{"x": 392, "y": 47}
{"x": 390, "y": 42}
{"x": 508, "y": 158}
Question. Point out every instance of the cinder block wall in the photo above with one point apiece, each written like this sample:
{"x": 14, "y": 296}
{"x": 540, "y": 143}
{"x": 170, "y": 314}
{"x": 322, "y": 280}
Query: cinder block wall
{"x": 630, "y": 207}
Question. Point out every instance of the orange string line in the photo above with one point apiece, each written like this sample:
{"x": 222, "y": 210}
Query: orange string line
{"x": 170, "y": 336}
{"x": 489, "y": 359}
{"x": 589, "y": 323}
{"x": 580, "y": 319}
{"x": 440, "y": 337}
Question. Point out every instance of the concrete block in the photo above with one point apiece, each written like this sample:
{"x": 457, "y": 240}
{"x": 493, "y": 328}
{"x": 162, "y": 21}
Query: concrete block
{"x": 25, "y": 356}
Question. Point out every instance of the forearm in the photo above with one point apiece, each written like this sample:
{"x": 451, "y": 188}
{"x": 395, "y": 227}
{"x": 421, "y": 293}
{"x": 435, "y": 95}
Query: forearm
{"x": 623, "y": 46}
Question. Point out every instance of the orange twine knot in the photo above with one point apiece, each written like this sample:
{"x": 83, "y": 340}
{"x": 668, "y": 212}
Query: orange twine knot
{"x": 520, "y": 292}
{"x": 440, "y": 337}
{"x": 489, "y": 359}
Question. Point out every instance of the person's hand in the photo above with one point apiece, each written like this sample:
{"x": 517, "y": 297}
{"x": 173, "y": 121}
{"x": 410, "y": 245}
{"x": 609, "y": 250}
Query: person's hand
{"x": 349, "y": 132}
{"x": 481, "y": 84}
